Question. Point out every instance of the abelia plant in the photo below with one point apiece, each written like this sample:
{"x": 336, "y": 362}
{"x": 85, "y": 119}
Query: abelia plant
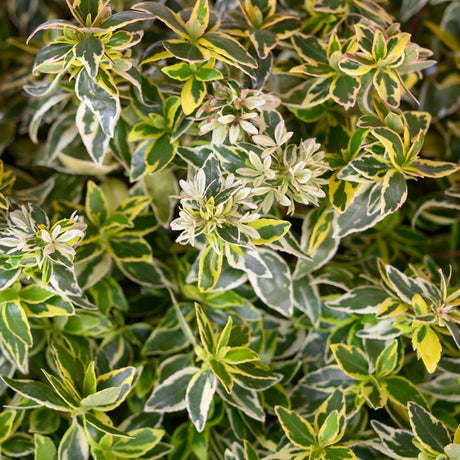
{"x": 229, "y": 230}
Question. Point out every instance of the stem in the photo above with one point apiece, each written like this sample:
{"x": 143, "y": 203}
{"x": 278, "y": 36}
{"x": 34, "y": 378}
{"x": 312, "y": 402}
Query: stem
{"x": 180, "y": 317}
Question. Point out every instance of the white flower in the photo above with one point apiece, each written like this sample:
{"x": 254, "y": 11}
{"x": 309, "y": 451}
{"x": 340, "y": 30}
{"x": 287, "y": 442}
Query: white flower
{"x": 195, "y": 188}
{"x": 60, "y": 242}
{"x": 231, "y": 206}
{"x": 281, "y": 137}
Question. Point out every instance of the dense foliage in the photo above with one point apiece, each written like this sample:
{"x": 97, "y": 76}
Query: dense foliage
{"x": 229, "y": 229}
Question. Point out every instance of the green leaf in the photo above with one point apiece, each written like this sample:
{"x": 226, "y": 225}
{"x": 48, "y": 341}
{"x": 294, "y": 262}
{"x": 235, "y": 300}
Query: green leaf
{"x": 206, "y": 73}
{"x": 222, "y": 373}
{"x": 186, "y": 51}
{"x": 339, "y": 453}
{"x": 103, "y": 427}
{"x": 355, "y": 65}
{"x": 7, "y": 418}
{"x": 89, "y": 51}
{"x": 331, "y": 430}
{"x": 336, "y": 401}
{"x": 263, "y": 40}
{"x": 142, "y": 441}
{"x": 8, "y": 277}
{"x": 42, "y": 108}
{"x": 276, "y": 291}
{"x": 163, "y": 14}
{"x": 89, "y": 380}
{"x": 54, "y": 306}
{"x": 269, "y": 230}
{"x": 169, "y": 395}
{"x": 228, "y": 49}
{"x": 430, "y": 168}
{"x": 200, "y": 392}
{"x": 15, "y": 320}
{"x": 104, "y": 104}
{"x": 453, "y": 451}
{"x": 352, "y": 360}
{"x": 51, "y": 58}
{"x": 344, "y": 89}
{"x": 394, "y": 192}
{"x": 205, "y": 329}
{"x": 96, "y": 205}
{"x": 192, "y": 95}
{"x": 144, "y": 273}
{"x": 224, "y": 336}
{"x": 57, "y": 24}
{"x": 431, "y": 433}
{"x": 361, "y": 300}
{"x": 400, "y": 391}
{"x": 398, "y": 441}
{"x": 38, "y": 392}
{"x": 249, "y": 451}
{"x": 130, "y": 248}
{"x": 426, "y": 342}
{"x": 68, "y": 364}
{"x": 73, "y": 445}
{"x": 146, "y": 130}
{"x": 396, "y": 46}
{"x": 131, "y": 207}
{"x": 201, "y": 12}
{"x": 307, "y": 299}
{"x": 388, "y": 87}
{"x": 44, "y": 448}
{"x": 35, "y": 294}
{"x": 107, "y": 293}
{"x": 297, "y": 429}
{"x": 122, "y": 19}
{"x": 210, "y": 267}
{"x": 244, "y": 400}
{"x": 181, "y": 71}
{"x": 64, "y": 388}
{"x": 159, "y": 153}
{"x": 374, "y": 393}
{"x": 310, "y": 48}
{"x": 165, "y": 340}
{"x": 162, "y": 187}
{"x": 379, "y": 46}
{"x": 392, "y": 143}
{"x": 356, "y": 217}
{"x": 318, "y": 92}
{"x": 404, "y": 286}
{"x": 315, "y": 69}
{"x": 246, "y": 259}
{"x": 237, "y": 355}
{"x": 117, "y": 378}
{"x": 103, "y": 400}
{"x": 44, "y": 421}
{"x": 253, "y": 376}
{"x": 387, "y": 360}
{"x": 19, "y": 445}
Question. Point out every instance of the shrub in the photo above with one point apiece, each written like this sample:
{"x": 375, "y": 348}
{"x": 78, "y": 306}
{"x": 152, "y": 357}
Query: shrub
{"x": 229, "y": 230}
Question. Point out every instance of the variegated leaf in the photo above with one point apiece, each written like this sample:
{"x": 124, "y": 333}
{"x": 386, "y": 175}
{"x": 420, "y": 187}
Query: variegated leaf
{"x": 169, "y": 396}
{"x": 210, "y": 267}
{"x": 199, "y": 395}
{"x": 74, "y": 445}
{"x": 89, "y": 51}
{"x": 296, "y": 428}
{"x": 276, "y": 291}
{"x": 104, "y": 105}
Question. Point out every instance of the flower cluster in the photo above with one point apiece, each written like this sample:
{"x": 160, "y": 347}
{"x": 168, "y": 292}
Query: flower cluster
{"x": 286, "y": 175}
{"x": 218, "y": 213}
{"x": 235, "y": 112}
{"x": 29, "y": 234}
